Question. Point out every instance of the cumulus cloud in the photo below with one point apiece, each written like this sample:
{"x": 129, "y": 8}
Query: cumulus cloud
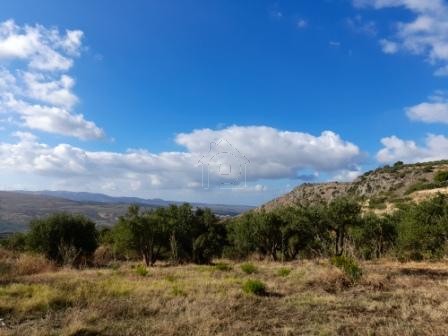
{"x": 41, "y": 48}
{"x": 435, "y": 147}
{"x": 279, "y": 154}
{"x": 426, "y": 34}
{"x": 273, "y": 154}
{"x": 433, "y": 111}
{"x": 34, "y": 84}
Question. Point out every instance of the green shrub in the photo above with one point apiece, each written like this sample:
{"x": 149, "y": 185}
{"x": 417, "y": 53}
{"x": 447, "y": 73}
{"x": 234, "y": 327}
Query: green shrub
{"x": 441, "y": 176}
{"x": 422, "y": 229}
{"x": 255, "y": 287}
{"x": 377, "y": 203}
{"x": 283, "y": 272}
{"x": 64, "y": 238}
{"x": 223, "y": 267}
{"x": 349, "y": 266}
{"x": 141, "y": 270}
{"x": 248, "y": 268}
{"x": 426, "y": 185}
{"x": 374, "y": 236}
{"x": 16, "y": 242}
{"x": 178, "y": 291}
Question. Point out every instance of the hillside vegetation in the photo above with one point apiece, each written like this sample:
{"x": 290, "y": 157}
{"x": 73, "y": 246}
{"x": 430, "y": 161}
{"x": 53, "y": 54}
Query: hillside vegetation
{"x": 334, "y": 267}
{"x": 381, "y": 189}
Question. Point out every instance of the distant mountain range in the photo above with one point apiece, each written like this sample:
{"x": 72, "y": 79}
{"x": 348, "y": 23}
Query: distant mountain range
{"x": 18, "y": 208}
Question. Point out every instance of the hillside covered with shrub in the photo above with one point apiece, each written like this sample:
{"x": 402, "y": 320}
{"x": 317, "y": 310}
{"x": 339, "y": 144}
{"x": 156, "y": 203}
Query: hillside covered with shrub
{"x": 380, "y": 189}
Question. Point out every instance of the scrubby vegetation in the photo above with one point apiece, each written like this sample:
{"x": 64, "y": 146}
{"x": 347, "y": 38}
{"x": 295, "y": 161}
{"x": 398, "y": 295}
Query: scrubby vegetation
{"x": 249, "y": 268}
{"x": 179, "y": 234}
{"x": 66, "y": 275}
{"x": 349, "y": 266}
{"x": 255, "y": 287}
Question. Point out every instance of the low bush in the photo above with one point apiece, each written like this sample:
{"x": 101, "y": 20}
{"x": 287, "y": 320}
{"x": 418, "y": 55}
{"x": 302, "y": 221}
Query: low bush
{"x": 248, "y": 268}
{"x": 141, "y": 270}
{"x": 103, "y": 256}
{"x": 223, "y": 267}
{"x": 64, "y": 238}
{"x": 255, "y": 287}
{"x": 283, "y": 272}
{"x": 27, "y": 264}
{"x": 349, "y": 266}
{"x": 425, "y": 186}
{"x": 441, "y": 176}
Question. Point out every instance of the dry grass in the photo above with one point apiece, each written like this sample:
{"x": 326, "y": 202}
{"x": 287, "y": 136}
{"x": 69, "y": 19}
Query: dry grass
{"x": 313, "y": 299}
{"x": 18, "y": 264}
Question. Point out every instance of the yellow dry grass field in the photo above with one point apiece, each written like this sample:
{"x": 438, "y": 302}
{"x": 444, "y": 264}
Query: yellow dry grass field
{"x": 302, "y": 298}
{"x": 422, "y": 195}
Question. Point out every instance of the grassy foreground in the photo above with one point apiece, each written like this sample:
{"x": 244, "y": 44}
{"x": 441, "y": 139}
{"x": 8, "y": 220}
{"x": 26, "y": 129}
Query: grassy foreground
{"x": 301, "y": 298}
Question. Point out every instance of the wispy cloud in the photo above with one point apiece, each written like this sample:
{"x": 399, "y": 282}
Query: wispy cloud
{"x": 302, "y": 23}
{"x": 334, "y": 44}
{"x": 358, "y": 25}
{"x": 425, "y": 35}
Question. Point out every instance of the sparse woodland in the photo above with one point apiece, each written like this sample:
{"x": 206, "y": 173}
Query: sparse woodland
{"x": 323, "y": 269}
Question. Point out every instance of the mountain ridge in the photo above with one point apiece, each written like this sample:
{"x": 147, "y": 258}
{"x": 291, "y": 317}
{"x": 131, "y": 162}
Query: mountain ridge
{"x": 380, "y": 189}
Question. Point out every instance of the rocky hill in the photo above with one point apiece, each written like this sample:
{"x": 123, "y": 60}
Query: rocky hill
{"x": 381, "y": 189}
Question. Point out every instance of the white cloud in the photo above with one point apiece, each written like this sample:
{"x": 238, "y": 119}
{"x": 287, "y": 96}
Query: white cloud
{"x": 53, "y": 119}
{"x": 434, "y": 111}
{"x": 442, "y": 71}
{"x": 273, "y": 154}
{"x": 302, "y": 23}
{"x": 35, "y": 87}
{"x": 435, "y": 148}
{"x": 348, "y": 175}
{"x": 278, "y": 154}
{"x": 56, "y": 91}
{"x": 415, "y": 5}
{"x": 426, "y": 34}
{"x": 388, "y": 47}
{"x": 42, "y": 48}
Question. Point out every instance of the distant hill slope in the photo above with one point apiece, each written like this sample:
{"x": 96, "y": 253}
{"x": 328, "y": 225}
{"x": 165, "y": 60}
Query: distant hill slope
{"x": 219, "y": 209}
{"x": 17, "y": 208}
{"x": 381, "y": 189}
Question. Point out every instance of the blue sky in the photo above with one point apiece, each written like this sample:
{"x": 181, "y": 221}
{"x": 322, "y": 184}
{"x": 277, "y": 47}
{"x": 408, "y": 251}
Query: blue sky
{"x": 139, "y": 89}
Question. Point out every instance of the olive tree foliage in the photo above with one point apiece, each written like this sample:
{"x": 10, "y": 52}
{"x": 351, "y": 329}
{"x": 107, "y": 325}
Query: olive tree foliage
{"x": 304, "y": 232}
{"x": 375, "y": 235}
{"x": 284, "y": 233}
{"x": 341, "y": 214}
{"x": 176, "y": 233}
{"x": 255, "y": 232}
{"x": 423, "y": 229}
{"x": 64, "y": 238}
{"x": 208, "y": 237}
